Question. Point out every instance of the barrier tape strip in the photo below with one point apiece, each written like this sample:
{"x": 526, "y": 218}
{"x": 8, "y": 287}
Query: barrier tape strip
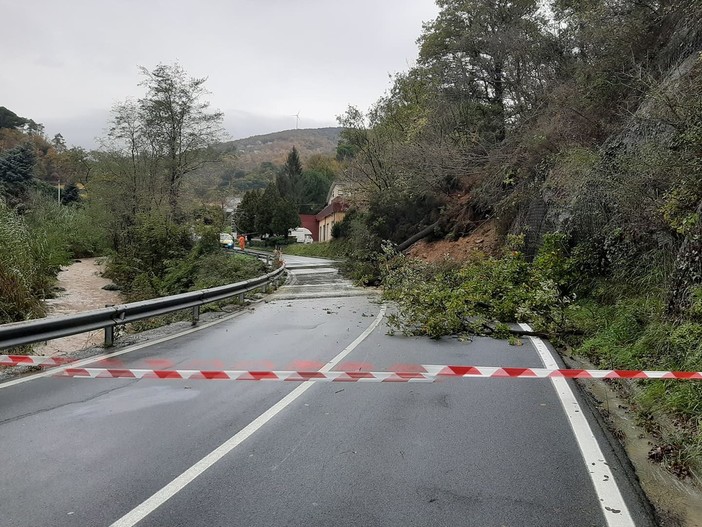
{"x": 430, "y": 373}
{"x": 30, "y": 360}
{"x": 248, "y": 375}
{"x": 544, "y": 373}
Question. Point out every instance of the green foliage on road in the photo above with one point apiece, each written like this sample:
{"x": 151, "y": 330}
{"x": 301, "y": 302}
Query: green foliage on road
{"x": 476, "y": 297}
{"x": 611, "y": 323}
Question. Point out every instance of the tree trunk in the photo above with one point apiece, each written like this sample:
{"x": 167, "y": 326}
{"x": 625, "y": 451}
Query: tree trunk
{"x": 500, "y": 101}
{"x": 414, "y": 239}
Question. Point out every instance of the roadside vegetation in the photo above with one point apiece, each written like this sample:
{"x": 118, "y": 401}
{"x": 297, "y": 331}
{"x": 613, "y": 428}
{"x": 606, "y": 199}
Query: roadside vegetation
{"x": 334, "y": 249}
{"x": 33, "y": 247}
{"x": 125, "y": 201}
{"x": 575, "y": 133}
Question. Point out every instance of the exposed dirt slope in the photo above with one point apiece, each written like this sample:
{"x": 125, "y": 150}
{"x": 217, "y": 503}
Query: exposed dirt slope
{"x": 483, "y": 239}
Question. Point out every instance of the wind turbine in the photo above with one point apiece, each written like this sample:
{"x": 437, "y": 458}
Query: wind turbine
{"x": 297, "y": 119}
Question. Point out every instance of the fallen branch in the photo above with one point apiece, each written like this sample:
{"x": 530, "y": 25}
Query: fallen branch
{"x": 518, "y": 332}
{"x": 414, "y": 239}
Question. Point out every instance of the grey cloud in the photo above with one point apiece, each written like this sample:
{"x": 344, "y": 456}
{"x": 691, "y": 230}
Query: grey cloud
{"x": 264, "y": 59}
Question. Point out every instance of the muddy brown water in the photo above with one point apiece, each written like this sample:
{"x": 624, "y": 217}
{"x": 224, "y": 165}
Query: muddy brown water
{"x": 82, "y": 284}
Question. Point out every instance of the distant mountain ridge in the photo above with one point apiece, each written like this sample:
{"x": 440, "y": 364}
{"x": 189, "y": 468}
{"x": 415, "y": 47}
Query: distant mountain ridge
{"x": 274, "y": 148}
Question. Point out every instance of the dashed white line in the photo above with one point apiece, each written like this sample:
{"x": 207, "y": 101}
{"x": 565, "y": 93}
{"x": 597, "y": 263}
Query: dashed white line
{"x": 159, "y": 498}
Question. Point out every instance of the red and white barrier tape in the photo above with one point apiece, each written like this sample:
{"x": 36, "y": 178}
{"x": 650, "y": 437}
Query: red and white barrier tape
{"x": 29, "y": 360}
{"x": 544, "y": 373}
{"x": 427, "y": 373}
{"x": 248, "y": 375}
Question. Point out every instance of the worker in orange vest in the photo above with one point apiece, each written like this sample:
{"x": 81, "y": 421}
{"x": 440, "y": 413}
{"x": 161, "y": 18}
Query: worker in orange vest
{"x": 242, "y": 242}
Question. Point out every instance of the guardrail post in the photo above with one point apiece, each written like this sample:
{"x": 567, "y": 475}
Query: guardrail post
{"x": 196, "y": 315}
{"x": 241, "y": 298}
{"x": 109, "y": 336}
{"x": 109, "y": 332}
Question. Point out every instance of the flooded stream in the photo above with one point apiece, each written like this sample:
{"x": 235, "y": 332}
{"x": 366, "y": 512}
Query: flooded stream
{"x": 81, "y": 289}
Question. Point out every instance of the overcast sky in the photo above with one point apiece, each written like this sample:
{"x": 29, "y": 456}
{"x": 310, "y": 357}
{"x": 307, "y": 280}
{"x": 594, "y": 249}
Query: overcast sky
{"x": 65, "y": 63}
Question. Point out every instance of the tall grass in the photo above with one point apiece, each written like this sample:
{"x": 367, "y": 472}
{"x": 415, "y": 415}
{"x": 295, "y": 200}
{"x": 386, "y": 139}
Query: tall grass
{"x": 70, "y": 231}
{"x": 34, "y": 246}
{"x": 22, "y": 280}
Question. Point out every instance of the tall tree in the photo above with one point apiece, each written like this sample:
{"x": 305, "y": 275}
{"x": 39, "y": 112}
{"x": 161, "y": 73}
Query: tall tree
{"x": 76, "y": 164}
{"x": 289, "y": 181}
{"x": 284, "y": 218}
{"x": 131, "y": 163}
{"x": 247, "y": 211}
{"x": 493, "y": 53}
{"x": 178, "y": 125}
{"x": 9, "y": 119}
{"x": 275, "y": 214}
{"x": 59, "y": 143}
{"x": 16, "y": 172}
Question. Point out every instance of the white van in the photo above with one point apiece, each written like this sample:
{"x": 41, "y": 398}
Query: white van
{"x": 301, "y": 234}
{"x": 226, "y": 240}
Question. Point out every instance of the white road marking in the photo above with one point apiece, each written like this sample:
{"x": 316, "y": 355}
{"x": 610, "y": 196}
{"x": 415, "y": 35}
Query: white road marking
{"x": 614, "y": 508}
{"x": 159, "y": 498}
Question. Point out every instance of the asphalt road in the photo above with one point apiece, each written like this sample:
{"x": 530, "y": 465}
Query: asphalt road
{"x": 474, "y": 452}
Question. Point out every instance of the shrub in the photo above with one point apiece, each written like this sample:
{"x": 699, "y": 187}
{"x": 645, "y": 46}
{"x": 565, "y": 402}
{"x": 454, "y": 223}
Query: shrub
{"x": 70, "y": 232}
{"x": 147, "y": 252}
{"x": 222, "y": 268}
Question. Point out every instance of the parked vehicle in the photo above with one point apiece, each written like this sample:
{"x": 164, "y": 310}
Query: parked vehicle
{"x": 226, "y": 240}
{"x": 301, "y": 234}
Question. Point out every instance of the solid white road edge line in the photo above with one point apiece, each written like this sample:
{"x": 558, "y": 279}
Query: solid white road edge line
{"x": 614, "y": 508}
{"x": 159, "y": 498}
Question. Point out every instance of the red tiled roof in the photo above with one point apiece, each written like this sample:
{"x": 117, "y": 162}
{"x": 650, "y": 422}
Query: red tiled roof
{"x": 337, "y": 205}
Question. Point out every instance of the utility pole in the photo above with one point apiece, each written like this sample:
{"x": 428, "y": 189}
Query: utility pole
{"x": 58, "y": 188}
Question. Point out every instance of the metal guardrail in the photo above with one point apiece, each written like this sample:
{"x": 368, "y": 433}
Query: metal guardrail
{"x": 31, "y": 331}
{"x": 262, "y": 255}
